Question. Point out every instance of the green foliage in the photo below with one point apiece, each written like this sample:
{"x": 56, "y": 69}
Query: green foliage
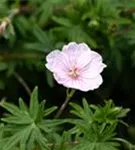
{"x": 96, "y": 127}
{"x": 28, "y": 126}
{"x": 3, "y": 8}
{"x": 36, "y": 27}
{"x": 110, "y": 113}
{"x": 42, "y": 41}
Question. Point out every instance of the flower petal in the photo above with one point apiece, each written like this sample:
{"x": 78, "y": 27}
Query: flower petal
{"x": 71, "y": 83}
{"x": 94, "y": 67}
{"x": 87, "y": 84}
{"x": 70, "y": 48}
{"x": 51, "y": 58}
{"x": 83, "y": 47}
{"x": 84, "y": 55}
{"x": 57, "y": 60}
{"x": 79, "y": 54}
{"x": 82, "y": 84}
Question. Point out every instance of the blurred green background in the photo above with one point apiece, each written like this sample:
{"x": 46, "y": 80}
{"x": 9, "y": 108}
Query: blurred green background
{"x": 36, "y": 27}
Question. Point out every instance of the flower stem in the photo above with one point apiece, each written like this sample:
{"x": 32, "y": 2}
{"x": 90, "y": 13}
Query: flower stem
{"x": 22, "y": 82}
{"x": 63, "y": 106}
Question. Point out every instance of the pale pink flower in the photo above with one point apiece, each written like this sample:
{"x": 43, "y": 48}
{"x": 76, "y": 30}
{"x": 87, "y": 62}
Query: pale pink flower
{"x": 76, "y": 66}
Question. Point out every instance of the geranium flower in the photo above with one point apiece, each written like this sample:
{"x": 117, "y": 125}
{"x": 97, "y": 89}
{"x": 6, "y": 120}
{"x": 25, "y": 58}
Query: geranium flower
{"x": 76, "y": 66}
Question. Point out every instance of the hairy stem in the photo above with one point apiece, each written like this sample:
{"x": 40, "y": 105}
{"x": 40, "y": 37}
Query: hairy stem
{"x": 63, "y": 106}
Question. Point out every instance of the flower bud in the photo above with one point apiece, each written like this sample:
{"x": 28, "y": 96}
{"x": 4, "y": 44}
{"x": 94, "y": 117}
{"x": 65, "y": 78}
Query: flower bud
{"x": 3, "y": 27}
{"x": 93, "y": 23}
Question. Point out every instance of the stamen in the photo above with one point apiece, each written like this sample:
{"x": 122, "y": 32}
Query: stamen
{"x": 74, "y": 73}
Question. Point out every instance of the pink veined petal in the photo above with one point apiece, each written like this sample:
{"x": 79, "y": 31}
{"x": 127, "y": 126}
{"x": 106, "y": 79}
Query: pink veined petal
{"x": 71, "y": 83}
{"x": 60, "y": 78}
{"x": 83, "y": 60}
{"x": 51, "y": 58}
{"x": 84, "y": 55}
{"x": 67, "y": 81}
{"x": 87, "y": 84}
{"x": 71, "y": 51}
{"x": 57, "y": 61}
{"x": 94, "y": 67}
{"x": 83, "y": 47}
{"x": 83, "y": 84}
{"x": 70, "y": 48}
{"x": 79, "y": 54}
{"x": 73, "y": 47}
{"x": 91, "y": 71}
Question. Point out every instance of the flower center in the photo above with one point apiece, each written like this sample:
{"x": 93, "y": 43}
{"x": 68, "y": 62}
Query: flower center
{"x": 73, "y": 73}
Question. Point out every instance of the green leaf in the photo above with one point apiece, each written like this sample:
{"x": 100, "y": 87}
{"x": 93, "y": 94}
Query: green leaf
{"x": 23, "y": 118}
{"x": 1, "y": 131}
{"x": 41, "y": 111}
{"x": 22, "y": 105}
{"x": 46, "y": 13}
{"x": 42, "y": 141}
{"x": 12, "y": 141}
{"x": 25, "y": 137}
{"x": 34, "y": 105}
{"x": 23, "y": 25}
{"x": 41, "y": 36}
{"x": 37, "y": 46}
{"x": 78, "y": 110}
{"x": 3, "y": 8}
{"x": 87, "y": 107}
{"x": 123, "y": 113}
{"x": 62, "y": 21}
{"x": 10, "y": 107}
{"x": 49, "y": 110}
{"x": 51, "y": 123}
{"x": 31, "y": 142}
{"x": 78, "y": 34}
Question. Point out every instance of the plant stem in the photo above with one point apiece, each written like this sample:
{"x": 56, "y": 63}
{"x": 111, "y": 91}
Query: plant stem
{"x": 23, "y": 83}
{"x": 63, "y": 106}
